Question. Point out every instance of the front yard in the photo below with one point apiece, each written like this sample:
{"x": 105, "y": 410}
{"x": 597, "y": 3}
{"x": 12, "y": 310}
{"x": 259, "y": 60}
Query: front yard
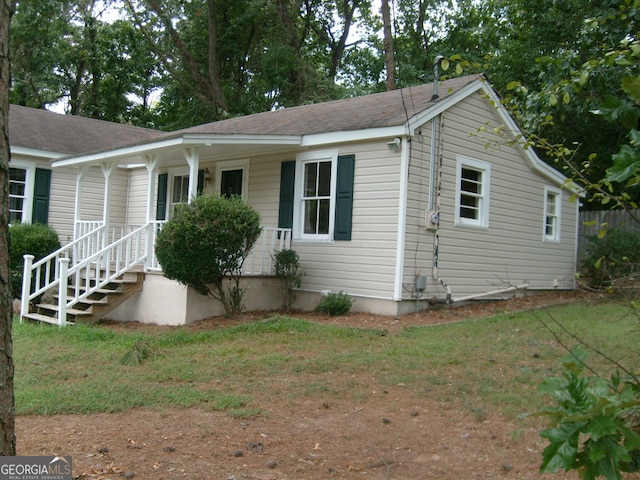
{"x": 275, "y": 397}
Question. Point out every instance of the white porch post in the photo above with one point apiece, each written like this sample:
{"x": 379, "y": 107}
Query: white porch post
{"x": 192, "y": 157}
{"x": 77, "y": 215}
{"x": 151, "y": 162}
{"x": 107, "y": 170}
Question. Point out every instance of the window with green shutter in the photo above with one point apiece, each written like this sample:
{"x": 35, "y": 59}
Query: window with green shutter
{"x": 316, "y": 196}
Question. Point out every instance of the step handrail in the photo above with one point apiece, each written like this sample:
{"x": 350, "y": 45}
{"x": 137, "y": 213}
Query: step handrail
{"x": 49, "y": 265}
{"x": 101, "y": 268}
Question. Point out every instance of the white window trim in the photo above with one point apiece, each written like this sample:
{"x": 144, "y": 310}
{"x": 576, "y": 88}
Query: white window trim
{"x": 30, "y": 179}
{"x": 233, "y": 165}
{"x": 173, "y": 172}
{"x": 485, "y": 168}
{"x": 556, "y": 233}
{"x": 298, "y": 209}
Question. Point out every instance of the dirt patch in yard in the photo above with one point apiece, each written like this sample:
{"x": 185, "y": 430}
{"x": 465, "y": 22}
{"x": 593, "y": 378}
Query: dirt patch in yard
{"x": 390, "y": 434}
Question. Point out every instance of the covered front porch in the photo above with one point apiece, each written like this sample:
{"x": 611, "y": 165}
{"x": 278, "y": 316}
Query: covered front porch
{"x": 141, "y": 187}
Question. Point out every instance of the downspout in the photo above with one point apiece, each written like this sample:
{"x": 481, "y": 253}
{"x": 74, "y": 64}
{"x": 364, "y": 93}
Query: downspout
{"x": 437, "y": 125}
{"x": 402, "y": 216}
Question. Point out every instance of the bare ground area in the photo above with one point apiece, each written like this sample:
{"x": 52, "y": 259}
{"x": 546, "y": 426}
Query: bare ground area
{"x": 390, "y": 434}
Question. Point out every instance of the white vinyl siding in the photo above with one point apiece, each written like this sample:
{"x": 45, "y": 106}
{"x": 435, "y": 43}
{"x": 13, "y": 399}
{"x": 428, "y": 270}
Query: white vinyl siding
{"x": 62, "y": 202}
{"x": 137, "y": 197}
{"x": 511, "y": 251}
{"x": 364, "y": 266}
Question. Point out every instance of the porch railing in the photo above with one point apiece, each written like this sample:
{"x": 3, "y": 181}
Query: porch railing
{"x": 259, "y": 261}
{"x": 98, "y": 257}
{"x": 44, "y": 275}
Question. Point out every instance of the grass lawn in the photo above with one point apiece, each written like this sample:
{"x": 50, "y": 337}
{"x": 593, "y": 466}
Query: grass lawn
{"x": 491, "y": 364}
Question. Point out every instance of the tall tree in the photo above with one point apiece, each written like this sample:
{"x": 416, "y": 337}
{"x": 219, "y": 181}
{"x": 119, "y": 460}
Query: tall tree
{"x": 7, "y": 401}
{"x": 389, "y": 59}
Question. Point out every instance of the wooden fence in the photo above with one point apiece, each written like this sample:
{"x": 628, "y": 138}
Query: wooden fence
{"x": 591, "y": 223}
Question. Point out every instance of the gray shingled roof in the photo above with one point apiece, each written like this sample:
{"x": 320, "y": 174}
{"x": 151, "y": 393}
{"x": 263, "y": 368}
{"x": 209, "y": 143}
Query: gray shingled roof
{"x": 386, "y": 109}
{"x": 69, "y": 134}
{"x": 74, "y": 135}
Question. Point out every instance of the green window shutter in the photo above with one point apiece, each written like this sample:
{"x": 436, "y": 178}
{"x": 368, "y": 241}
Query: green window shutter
{"x": 287, "y": 188}
{"x": 41, "y": 190}
{"x": 161, "y": 205}
{"x": 200, "y": 187}
{"x": 344, "y": 197}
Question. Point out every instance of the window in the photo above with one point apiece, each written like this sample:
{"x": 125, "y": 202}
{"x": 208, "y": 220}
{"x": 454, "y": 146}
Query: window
{"x": 22, "y": 182}
{"x": 316, "y": 198}
{"x": 173, "y": 190}
{"x": 17, "y": 194}
{"x": 321, "y": 186}
{"x": 552, "y": 202}
{"x": 233, "y": 178}
{"x": 179, "y": 191}
{"x": 472, "y": 192}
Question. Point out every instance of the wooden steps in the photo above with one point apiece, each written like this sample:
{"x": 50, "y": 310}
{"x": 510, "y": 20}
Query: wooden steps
{"x": 93, "y": 308}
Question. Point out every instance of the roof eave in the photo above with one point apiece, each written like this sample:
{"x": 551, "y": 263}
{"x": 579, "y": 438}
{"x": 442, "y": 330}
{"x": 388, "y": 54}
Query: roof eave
{"x": 34, "y": 152}
{"x": 172, "y": 142}
{"x": 328, "y": 138}
{"x": 536, "y": 162}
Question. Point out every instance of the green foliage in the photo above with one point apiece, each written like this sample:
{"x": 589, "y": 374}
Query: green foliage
{"x": 288, "y": 270}
{"x": 33, "y": 239}
{"x": 335, "y": 303}
{"x": 612, "y": 256}
{"x": 206, "y": 242}
{"x": 139, "y": 352}
{"x": 591, "y": 423}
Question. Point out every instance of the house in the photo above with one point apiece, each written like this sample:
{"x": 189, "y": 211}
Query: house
{"x": 37, "y": 137}
{"x": 399, "y": 199}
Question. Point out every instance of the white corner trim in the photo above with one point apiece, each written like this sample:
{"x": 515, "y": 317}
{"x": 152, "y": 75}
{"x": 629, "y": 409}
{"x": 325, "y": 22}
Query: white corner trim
{"x": 402, "y": 220}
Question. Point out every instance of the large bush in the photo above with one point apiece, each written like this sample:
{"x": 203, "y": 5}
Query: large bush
{"x": 613, "y": 256}
{"x": 33, "y": 239}
{"x": 207, "y": 241}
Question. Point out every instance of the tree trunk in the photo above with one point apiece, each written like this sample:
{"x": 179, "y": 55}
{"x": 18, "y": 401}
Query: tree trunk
{"x": 7, "y": 401}
{"x": 297, "y": 83}
{"x": 389, "y": 60}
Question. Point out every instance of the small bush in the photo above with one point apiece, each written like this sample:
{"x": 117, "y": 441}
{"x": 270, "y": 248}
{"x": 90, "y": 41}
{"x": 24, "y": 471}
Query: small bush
{"x": 33, "y": 239}
{"x": 287, "y": 267}
{"x": 206, "y": 243}
{"x": 614, "y": 256}
{"x": 335, "y": 304}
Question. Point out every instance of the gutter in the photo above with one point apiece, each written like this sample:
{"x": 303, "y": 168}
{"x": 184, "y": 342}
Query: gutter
{"x": 402, "y": 216}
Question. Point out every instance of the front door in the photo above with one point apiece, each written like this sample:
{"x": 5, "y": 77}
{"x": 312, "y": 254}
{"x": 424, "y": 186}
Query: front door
{"x": 231, "y": 182}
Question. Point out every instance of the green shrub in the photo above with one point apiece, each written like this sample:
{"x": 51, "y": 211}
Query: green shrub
{"x": 613, "y": 256}
{"x": 335, "y": 303}
{"x": 205, "y": 244}
{"x": 33, "y": 239}
{"x": 287, "y": 269}
{"x": 592, "y": 423}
